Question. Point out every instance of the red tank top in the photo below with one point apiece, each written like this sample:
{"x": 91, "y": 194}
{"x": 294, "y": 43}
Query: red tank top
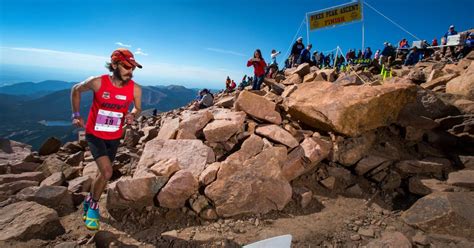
{"x": 109, "y": 107}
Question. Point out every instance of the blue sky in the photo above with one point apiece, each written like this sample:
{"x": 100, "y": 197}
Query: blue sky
{"x": 191, "y": 43}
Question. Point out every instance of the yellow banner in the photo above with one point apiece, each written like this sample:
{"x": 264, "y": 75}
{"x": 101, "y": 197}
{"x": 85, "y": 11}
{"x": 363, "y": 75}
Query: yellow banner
{"x": 335, "y": 16}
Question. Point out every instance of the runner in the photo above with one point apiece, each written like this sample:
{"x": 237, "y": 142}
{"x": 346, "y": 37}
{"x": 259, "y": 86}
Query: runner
{"x": 112, "y": 97}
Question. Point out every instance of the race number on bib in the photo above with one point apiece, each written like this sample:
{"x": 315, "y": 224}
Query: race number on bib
{"x": 108, "y": 121}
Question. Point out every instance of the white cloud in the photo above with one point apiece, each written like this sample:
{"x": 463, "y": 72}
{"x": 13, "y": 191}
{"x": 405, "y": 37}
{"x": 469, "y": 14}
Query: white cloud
{"x": 140, "y": 52}
{"x": 53, "y": 52}
{"x": 121, "y": 44}
{"x": 218, "y": 50}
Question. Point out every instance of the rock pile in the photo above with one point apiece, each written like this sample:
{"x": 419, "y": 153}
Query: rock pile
{"x": 329, "y": 131}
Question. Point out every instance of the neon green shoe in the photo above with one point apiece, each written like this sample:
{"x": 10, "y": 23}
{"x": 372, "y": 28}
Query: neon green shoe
{"x": 92, "y": 219}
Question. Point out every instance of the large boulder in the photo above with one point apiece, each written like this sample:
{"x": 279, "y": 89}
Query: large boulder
{"x": 55, "y": 197}
{"x": 23, "y": 166}
{"x": 51, "y": 165}
{"x": 349, "y": 110}
{"x": 50, "y": 146}
{"x": 178, "y": 189}
{"x": 9, "y": 189}
{"x": 316, "y": 149}
{"x": 302, "y": 70}
{"x": 350, "y": 150}
{"x": 428, "y": 105}
{"x": 255, "y": 186}
{"x": 168, "y": 129}
{"x": 463, "y": 85}
{"x": 277, "y": 134}
{"x": 134, "y": 192}
{"x": 252, "y": 146}
{"x": 444, "y": 213}
{"x": 27, "y": 220}
{"x": 192, "y": 123}
{"x": 225, "y": 125}
{"x": 462, "y": 178}
{"x": 192, "y": 155}
{"x": 13, "y": 152}
{"x": 29, "y": 176}
{"x": 258, "y": 107}
{"x": 438, "y": 81}
{"x": 56, "y": 179}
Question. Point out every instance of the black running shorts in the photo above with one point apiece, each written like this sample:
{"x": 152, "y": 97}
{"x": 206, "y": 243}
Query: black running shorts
{"x": 100, "y": 147}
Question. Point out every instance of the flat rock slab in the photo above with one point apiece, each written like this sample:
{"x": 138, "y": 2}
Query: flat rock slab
{"x": 443, "y": 213}
{"x": 192, "y": 155}
{"x": 349, "y": 110}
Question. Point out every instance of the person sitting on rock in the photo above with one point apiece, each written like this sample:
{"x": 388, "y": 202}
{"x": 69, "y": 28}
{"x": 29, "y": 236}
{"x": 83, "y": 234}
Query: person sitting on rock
{"x": 468, "y": 45}
{"x": 368, "y": 53}
{"x": 403, "y": 43}
{"x": 413, "y": 57}
{"x": 259, "y": 65}
{"x": 206, "y": 99}
{"x": 244, "y": 83}
{"x": 229, "y": 85}
{"x": 377, "y": 54}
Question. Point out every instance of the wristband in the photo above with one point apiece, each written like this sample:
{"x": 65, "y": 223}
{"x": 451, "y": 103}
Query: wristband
{"x": 75, "y": 115}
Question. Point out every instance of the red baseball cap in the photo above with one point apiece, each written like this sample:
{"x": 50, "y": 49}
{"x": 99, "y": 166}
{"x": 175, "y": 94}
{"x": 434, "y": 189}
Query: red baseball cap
{"x": 125, "y": 56}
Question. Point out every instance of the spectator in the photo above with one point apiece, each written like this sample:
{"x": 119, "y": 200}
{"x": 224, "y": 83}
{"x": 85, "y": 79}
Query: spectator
{"x": 155, "y": 112}
{"x": 403, "y": 43}
{"x": 229, "y": 85}
{"x": 244, "y": 83}
{"x": 368, "y": 53}
{"x": 348, "y": 55}
{"x": 321, "y": 59}
{"x": 273, "y": 57}
{"x": 206, "y": 99}
{"x": 296, "y": 50}
{"x": 386, "y": 52}
{"x": 259, "y": 65}
{"x": 314, "y": 60}
{"x": 413, "y": 57}
{"x": 450, "y": 32}
{"x": 327, "y": 60}
{"x": 468, "y": 45}
{"x": 305, "y": 56}
{"x": 359, "y": 54}
{"x": 434, "y": 42}
{"x": 377, "y": 54}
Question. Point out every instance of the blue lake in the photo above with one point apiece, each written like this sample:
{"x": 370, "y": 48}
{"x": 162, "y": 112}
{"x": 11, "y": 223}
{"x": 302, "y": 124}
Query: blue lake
{"x": 55, "y": 123}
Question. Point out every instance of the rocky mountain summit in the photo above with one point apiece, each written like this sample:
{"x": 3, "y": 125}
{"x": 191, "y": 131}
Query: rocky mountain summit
{"x": 337, "y": 159}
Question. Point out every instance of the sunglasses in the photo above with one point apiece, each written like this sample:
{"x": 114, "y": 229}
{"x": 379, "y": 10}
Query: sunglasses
{"x": 127, "y": 67}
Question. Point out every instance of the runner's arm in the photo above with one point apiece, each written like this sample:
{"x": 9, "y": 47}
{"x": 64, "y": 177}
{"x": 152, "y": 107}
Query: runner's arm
{"x": 137, "y": 100}
{"x": 92, "y": 83}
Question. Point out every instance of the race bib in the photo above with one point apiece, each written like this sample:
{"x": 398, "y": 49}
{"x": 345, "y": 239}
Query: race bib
{"x": 108, "y": 121}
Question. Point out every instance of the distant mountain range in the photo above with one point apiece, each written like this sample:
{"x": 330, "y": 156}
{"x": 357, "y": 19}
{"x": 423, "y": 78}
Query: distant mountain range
{"x": 35, "y": 90}
{"x": 24, "y": 105}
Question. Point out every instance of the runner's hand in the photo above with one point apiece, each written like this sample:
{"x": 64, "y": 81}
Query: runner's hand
{"x": 78, "y": 122}
{"x": 129, "y": 118}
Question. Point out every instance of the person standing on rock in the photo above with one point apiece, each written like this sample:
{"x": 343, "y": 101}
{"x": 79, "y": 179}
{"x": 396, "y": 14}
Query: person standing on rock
{"x": 451, "y": 31}
{"x": 113, "y": 95}
{"x": 259, "y": 65}
{"x": 296, "y": 51}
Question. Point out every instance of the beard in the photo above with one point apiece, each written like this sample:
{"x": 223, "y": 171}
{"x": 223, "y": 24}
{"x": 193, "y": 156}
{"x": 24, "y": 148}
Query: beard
{"x": 124, "y": 78}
